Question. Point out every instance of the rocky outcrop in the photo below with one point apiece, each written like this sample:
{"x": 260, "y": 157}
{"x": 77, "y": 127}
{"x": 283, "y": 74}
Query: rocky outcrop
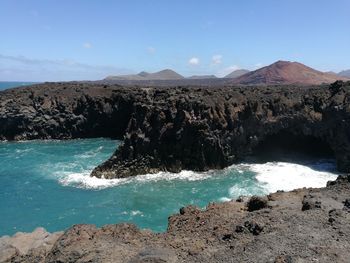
{"x": 175, "y": 128}
{"x": 202, "y": 129}
{"x": 64, "y": 111}
{"x": 30, "y": 247}
{"x": 278, "y": 229}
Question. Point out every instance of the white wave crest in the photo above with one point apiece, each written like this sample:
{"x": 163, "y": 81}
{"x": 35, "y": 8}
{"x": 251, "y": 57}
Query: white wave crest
{"x": 288, "y": 176}
{"x": 84, "y": 180}
{"x": 270, "y": 177}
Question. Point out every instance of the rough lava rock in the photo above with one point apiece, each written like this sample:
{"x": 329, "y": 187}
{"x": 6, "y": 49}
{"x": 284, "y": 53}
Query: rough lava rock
{"x": 27, "y": 246}
{"x": 176, "y": 128}
{"x": 223, "y": 232}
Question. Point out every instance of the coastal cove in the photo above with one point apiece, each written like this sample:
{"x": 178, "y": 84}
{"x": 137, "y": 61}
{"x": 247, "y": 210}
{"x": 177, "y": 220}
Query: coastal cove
{"x": 46, "y": 183}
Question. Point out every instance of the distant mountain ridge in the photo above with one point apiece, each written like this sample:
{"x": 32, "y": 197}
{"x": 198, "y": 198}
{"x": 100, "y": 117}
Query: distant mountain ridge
{"x": 345, "y": 73}
{"x": 237, "y": 73}
{"x": 203, "y": 77}
{"x": 286, "y": 72}
{"x": 280, "y": 72}
{"x": 166, "y": 74}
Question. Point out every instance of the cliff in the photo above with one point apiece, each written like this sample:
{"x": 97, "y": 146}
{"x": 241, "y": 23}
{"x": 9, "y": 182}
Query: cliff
{"x": 179, "y": 128}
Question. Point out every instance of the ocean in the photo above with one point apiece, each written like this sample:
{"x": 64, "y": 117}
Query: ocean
{"x": 47, "y": 183}
{"x": 14, "y": 84}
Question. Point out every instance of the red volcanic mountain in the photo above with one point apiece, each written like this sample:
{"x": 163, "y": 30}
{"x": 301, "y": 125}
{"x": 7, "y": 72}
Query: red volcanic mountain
{"x": 285, "y": 72}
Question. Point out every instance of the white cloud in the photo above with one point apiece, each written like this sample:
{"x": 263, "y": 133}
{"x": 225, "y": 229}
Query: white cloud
{"x": 225, "y": 71}
{"x": 87, "y": 45}
{"x": 216, "y": 59}
{"x": 20, "y": 68}
{"x": 193, "y": 61}
{"x": 151, "y": 50}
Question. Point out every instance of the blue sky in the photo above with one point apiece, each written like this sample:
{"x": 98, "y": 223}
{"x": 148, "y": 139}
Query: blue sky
{"x": 86, "y": 39}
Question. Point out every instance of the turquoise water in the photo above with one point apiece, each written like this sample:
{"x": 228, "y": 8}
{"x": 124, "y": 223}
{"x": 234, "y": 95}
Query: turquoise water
{"x": 8, "y": 84}
{"x": 47, "y": 183}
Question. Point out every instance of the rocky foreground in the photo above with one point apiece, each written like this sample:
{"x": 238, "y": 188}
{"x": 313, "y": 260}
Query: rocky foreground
{"x": 176, "y": 128}
{"x": 304, "y": 225}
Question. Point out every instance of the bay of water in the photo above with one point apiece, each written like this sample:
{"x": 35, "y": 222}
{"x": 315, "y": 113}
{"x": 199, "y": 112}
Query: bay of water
{"x": 14, "y": 84}
{"x": 47, "y": 183}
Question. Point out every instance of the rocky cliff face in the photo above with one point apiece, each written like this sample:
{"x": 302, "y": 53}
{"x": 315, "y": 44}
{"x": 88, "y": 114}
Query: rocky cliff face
{"x": 65, "y": 111}
{"x": 305, "y": 225}
{"x": 201, "y": 129}
{"x": 179, "y": 128}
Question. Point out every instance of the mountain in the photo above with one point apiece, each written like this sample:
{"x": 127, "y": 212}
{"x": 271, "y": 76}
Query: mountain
{"x": 331, "y": 72}
{"x": 166, "y": 74}
{"x": 203, "y": 77}
{"x": 345, "y": 73}
{"x": 237, "y": 73}
{"x": 285, "y": 72}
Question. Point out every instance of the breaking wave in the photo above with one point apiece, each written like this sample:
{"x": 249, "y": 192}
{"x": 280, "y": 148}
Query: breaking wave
{"x": 270, "y": 176}
{"x": 84, "y": 180}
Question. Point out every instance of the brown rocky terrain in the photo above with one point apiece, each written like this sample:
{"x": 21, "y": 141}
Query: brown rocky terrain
{"x": 176, "y": 128}
{"x": 304, "y": 225}
{"x": 285, "y": 72}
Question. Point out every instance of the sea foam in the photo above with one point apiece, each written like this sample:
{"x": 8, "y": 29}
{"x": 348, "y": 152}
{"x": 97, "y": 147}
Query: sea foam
{"x": 271, "y": 176}
{"x": 287, "y": 176}
{"x": 84, "y": 180}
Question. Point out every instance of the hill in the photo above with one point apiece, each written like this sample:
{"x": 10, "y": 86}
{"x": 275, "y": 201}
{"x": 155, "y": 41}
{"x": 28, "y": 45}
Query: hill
{"x": 285, "y": 72}
{"x": 345, "y": 73}
{"x": 236, "y": 73}
{"x": 166, "y": 74}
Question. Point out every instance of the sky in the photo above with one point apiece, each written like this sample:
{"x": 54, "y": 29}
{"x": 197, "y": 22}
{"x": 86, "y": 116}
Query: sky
{"x": 52, "y": 40}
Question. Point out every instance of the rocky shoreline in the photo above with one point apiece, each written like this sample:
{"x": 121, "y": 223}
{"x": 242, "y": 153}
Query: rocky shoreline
{"x": 198, "y": 128}
{"x": 177, "y": 128}
{"x": 304, "y": 225}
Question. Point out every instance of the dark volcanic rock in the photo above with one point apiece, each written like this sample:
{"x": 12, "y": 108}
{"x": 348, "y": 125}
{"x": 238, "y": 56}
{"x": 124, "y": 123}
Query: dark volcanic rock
{"x": 202, "y": 129}
{"x": 224, "y": 232}
{"x": 310, "y": 202}
{"x": 256, "y": 203}
{"x": 63, "y": 111}
{"x": 170, "y": 129}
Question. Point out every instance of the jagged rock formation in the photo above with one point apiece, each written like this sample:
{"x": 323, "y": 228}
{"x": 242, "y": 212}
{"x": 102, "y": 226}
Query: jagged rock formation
{"x": 65, "y": 111}
{"x": 202, "y": 129}
{"x": 33, "y": 247}
{"x": 180, "y": 128}
{"x": 305, "y": 225}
